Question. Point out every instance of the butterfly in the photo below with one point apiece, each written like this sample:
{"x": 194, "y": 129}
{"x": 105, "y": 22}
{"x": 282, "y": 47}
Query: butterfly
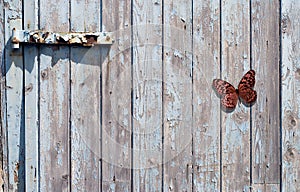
{"x": 230, "y": 96}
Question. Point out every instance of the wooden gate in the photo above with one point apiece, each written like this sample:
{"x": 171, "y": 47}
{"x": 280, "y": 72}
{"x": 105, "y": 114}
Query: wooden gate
{"x": 141, "y": 115}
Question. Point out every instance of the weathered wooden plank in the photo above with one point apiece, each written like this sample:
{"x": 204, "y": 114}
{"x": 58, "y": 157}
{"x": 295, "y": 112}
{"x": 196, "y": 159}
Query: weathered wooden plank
{"x": 266, "y": 113}
{"x": 116, "y": 92}
{"x": 177, "y": 95}
{"x": 31, "y": 86}
{"x": 147, "y": 96}
{"x": 14, "y": 99}
{"x": 290, "y": 31}
{"x": 265, "y": 187}
{"x": 3, "y": 144}
{"x": 85, "y": 100}
{"x": 54, "y": 119}
{"x": 54, "y": 101}
{"x": 206, "y": 111}
{"x": 85, "y": 16}
{"x": 235, "y": 126}
{"x": 85, "y": 119}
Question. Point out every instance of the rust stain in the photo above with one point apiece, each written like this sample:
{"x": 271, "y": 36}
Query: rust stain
{"x": 1, "y": 178}
{"x": 15, "y": 40}
{"x": 91, "y": 39}
{"x": 16, "y": 178}
{"x": 45, "y": 37}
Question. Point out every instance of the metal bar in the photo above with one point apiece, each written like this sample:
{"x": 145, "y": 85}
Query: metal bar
{"x": 76, "y": 38}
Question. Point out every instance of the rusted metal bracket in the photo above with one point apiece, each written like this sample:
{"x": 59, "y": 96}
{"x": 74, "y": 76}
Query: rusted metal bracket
{"x": 42, "y": 37}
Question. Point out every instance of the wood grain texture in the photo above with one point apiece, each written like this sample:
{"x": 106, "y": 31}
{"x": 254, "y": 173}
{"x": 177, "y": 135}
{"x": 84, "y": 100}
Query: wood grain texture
{"x": 235, "y": 126}
{"x": 206, "y": 111}
{"x": 85, "y": 119}
{"x": 54, "y": 121}
{"x": 265, "y": 187}
{"x": 290, "y": 113}
{"x": 14, "y": 98}
{"x": 3, "y": 144}
{"x": 141, "y": 115}
{"x": 177, "y": 95}
{"x": 85, "y": 100}
{"x": 85, "y": 15}
{"x": 54, "y": 101}
{"x": 147, "y": 95}
{"x": 116, "y": 93}
{"x": 31, "y": 90}
{"x": 266, "y": 113}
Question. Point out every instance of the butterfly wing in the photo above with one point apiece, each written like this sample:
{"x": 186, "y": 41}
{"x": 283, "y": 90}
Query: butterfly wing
{"x": 245, "y": 88}
{"x": 227, "y": 93}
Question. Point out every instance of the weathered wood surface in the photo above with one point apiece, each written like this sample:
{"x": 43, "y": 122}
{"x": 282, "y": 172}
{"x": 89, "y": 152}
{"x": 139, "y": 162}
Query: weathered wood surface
{"x": 14, "y": 100}
{"x": 177, "y": 95}
{"x": 85, "y": 101}
{"x": 147, "y": 95}
{"x": 290, "y": 111}
{"x": 266, "y": 113}
{"x": 3, "y": 146}
{"x": 235, "y": 127}
{"x": 140, "y": 115}
{"x": 31, "y": 91}
{"x": 54, "y": 101}
{"x": 206, "y": 111}
{"x": 116, "y": 99}
{"x": 3, "y": 155}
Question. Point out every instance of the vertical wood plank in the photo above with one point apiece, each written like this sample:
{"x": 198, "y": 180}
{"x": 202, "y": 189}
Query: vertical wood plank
{"x": 85, "y": 115}
{"x": 31, "y": 100}
{"x": 266, "y": 113}
{"x": 85, "y": 15}
{"x": 3, "y": 144}
{"x": 266, "y": 187}
{"x": 290, "y": 33}
{"x": 54, "y": 101}
{"x": 147, "y": 95}
{"x": 235, "y": 126}
{"x": 85, "y": 100}
{"x": 177, "y": 82}
{"x": 14, "y": 96}
{"x": 116, "y": 92}
{"x": 206, "y": 111}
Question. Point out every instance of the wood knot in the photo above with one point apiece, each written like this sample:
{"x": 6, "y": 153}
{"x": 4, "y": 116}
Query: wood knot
{"x": 297, "y": 74}
{"x": 290, "y": 154}
{"x": 44, "y": 74}
{"x": 293, "y": 122}
{"x": 28, "y": 88}
{"x": 65, "y": 177}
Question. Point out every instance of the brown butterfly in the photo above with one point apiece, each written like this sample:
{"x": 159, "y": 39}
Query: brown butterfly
{"x": 230, "y": 96}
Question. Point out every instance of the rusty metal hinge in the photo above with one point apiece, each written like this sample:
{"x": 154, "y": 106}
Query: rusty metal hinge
{"x": 76, "y": 38}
